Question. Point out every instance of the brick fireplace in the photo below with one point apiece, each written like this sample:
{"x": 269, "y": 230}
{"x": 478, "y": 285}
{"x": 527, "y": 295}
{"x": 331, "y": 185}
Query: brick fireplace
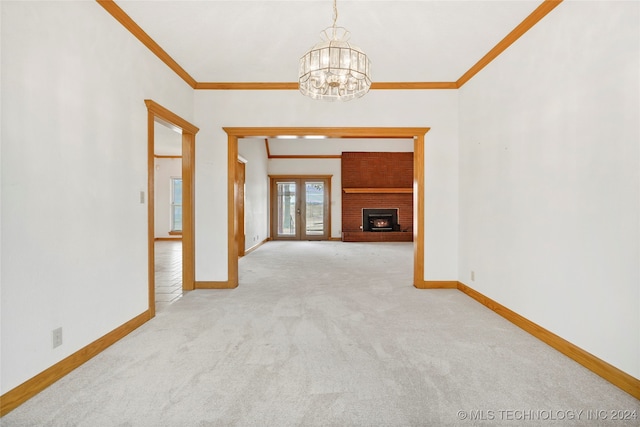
{"x": 377, "y": 182}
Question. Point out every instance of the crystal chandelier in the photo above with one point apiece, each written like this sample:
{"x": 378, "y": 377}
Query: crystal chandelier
{"x": 334, "y": 69}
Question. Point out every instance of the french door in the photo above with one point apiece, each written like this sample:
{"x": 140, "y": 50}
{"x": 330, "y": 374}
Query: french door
{"x": 300, "y": 207}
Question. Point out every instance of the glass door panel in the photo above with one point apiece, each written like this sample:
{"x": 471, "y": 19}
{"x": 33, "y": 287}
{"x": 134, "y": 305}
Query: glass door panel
{"x": 300, "y": 208}
{"x": 286, "y": 209}
{"x": 314, "y": 208}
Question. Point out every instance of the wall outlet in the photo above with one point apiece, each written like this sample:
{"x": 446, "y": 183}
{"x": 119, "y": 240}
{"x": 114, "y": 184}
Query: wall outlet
{"x": 56, "y": 337}
{"x": 473, "y": 275}
{"x": 142, "y": 197}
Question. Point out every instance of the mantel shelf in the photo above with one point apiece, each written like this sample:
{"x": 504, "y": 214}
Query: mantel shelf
{"x": 378, "y": 190}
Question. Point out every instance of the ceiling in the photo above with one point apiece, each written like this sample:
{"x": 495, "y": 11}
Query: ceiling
{"x": 244, "y": 41}
{"x": 262, "y": 41}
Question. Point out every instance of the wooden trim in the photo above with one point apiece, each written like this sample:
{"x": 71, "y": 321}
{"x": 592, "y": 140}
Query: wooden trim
{"x": 256, "y": 246}
{"x": 214, "y": 285}
{"x": 240, "y": 180}
{"x": 295, "y": 85}
{"x": 417, "y": 133}
{"x": 168, "y": 239}
{"x": 305, "y": 156}
{"x": 377, "y": 190}
{"x": 438, "y": 284}
{"x": 175, "y": 233}
{"x": 159, "y": 156}
{"x": 166, "y": 115}
{"x": 151, "y": 232}
{"x": 17, "y": 396}
{"x": 418, "y": 209}
{"x": 188, "y": 210}
{"x": 232, "y": 224}
{"x": 412, "y": 85}
{"x": 126, "y": 21}
{"x": 266, "y": 144}
{"x": 598, "y": 366}
{"x": 156, "y": 112}
{"x": 329, "y": 132}
{"x": 540, "y": 12}
{"x": 246, "y": 86}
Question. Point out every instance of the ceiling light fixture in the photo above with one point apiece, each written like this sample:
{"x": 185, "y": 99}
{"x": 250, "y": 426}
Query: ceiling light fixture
{"x": 334, "y": 69}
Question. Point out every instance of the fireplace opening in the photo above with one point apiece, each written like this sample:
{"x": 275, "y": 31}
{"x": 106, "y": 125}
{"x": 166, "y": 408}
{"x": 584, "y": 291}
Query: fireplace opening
{"x": 380, "y": 220}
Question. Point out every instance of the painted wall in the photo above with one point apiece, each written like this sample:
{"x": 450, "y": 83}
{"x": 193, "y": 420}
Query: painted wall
{"x": 549, "y": 178}
{"x": 74, "y": 161}
{"x": 165, "y": 170}
{"x": 256, "y": 208}
{"x": 435, "y": 109}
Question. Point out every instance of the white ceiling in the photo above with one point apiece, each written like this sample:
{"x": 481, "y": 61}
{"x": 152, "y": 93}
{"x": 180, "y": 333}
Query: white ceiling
{"x": 262, "y": 41}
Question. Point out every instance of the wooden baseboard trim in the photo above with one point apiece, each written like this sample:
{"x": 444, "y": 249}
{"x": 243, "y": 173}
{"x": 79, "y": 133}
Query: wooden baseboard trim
{"x": 167, "y": 238}
{"x": 213, "y": 285}
{"x": 17, "y": 396}
{"x": 437, "y": 284}
{"x": 254, "y": 247}
{"x": 598, "y": 366}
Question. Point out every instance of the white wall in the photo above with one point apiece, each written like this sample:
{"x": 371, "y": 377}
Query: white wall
{"x": 74, "y": 160}
{"x": 549, "y": 178}
{"x": 435, "y": 109}
{"x": 256, "y": 207}
{"x": 166, "y": 168}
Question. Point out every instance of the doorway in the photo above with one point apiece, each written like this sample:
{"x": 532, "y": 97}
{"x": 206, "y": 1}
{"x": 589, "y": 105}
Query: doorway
{"x": 300, "y": 207}
{"x": 157, "y": 113}
{"x": 415, "y": 133}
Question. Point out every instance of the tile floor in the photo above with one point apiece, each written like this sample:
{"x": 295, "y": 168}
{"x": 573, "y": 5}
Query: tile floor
{"x": 168, "y": 272}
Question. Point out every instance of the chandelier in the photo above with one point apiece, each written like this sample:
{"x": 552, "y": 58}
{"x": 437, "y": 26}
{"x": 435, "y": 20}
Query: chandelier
{"x": 334, "y": 69}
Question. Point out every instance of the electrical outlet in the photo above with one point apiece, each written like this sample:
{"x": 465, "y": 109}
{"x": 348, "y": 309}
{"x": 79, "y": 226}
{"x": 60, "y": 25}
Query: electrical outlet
{"x": 56, "y": 337}
{"x": 473, "y": 275}
{"x": 142, "y": 197}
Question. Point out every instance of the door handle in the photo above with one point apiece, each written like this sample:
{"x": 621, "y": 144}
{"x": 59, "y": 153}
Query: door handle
{"x": 298, "y": 211}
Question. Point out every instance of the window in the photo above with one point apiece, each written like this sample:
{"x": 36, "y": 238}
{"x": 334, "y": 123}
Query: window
{"x": 176, "y": 204}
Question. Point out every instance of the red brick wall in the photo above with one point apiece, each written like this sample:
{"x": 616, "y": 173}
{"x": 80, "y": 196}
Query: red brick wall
{"x": 376, "y": 170}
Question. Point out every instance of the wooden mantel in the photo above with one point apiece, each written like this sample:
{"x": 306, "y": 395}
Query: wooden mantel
{"x": 378, "y": 190}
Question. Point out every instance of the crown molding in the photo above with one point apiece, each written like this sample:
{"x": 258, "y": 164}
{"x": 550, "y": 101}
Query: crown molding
{"x": 126, "y": 21}
{"x": 532, "y": 19}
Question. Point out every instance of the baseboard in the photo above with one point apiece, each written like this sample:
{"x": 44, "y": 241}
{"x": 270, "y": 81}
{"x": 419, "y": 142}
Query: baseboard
{"x": 598, "y": 366}
{"x": 254, "y": 247}
{"x": 17, "y": 396}
{"x": 437, "y": 284}
{"x": 168, "y": 239}
{"x": 213, "y": 285}
{"x": 335, "y": 239}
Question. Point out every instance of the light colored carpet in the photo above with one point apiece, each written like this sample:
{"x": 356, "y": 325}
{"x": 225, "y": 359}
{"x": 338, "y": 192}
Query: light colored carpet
{"x": 326, "y": 334}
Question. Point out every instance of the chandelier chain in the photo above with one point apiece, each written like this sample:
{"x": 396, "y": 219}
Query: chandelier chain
{"x": 335, "y": 13}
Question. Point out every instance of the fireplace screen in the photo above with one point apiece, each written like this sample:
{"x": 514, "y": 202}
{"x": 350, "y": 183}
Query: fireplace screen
{"x": 380, "y": 220}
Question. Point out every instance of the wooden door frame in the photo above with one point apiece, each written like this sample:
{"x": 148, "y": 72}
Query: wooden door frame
{"x": 415, "y": 133}
{"x": 157, "y": 113}
{"x": 272, "y": 207}
{"x": 240, "y": 237}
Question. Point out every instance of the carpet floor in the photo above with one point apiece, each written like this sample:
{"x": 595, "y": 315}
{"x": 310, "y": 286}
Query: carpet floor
{"x": 327, "y": 334}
